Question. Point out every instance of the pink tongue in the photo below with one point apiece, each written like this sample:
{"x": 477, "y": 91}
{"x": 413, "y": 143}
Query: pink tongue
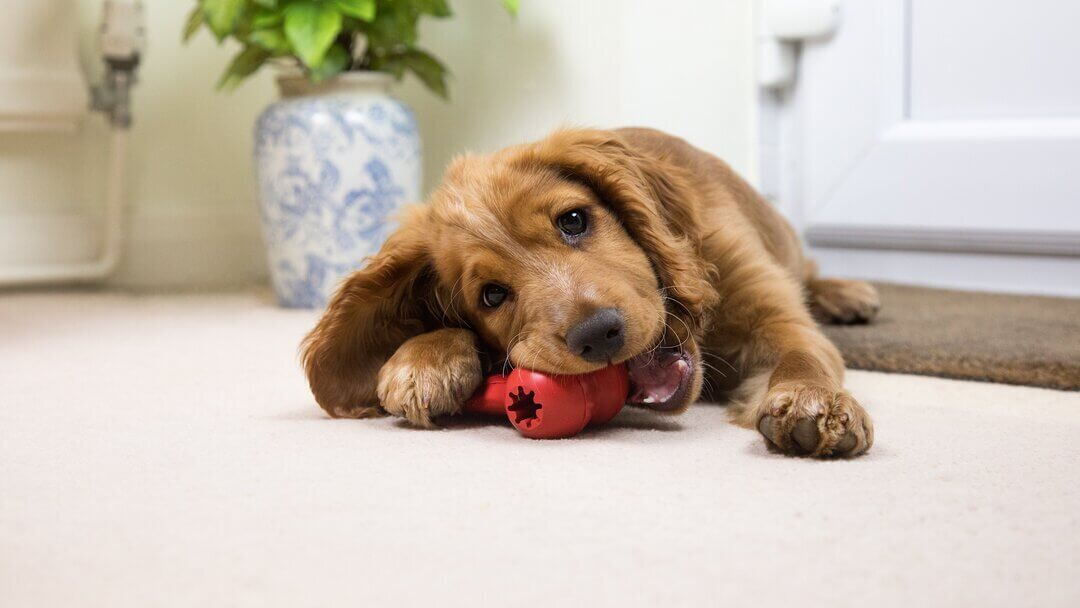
{"x": 656, "y": 382}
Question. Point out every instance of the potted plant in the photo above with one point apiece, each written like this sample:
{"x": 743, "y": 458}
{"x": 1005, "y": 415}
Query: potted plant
{"x": 337, "y": 156}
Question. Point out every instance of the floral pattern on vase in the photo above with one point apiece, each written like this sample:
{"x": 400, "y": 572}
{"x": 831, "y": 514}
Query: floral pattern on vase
{"x": 333, "y": 170}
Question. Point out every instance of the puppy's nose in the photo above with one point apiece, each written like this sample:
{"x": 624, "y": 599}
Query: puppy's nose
{"x": 599, "y": 336}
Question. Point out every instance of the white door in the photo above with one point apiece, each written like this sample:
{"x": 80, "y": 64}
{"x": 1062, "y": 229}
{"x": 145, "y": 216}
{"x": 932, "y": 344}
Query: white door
{"x": 938, "y": 141}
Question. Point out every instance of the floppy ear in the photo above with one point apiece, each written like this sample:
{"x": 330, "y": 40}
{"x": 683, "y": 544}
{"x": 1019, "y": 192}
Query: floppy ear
{"x": 375, "y": 310}
{"x": 652, "y": 198}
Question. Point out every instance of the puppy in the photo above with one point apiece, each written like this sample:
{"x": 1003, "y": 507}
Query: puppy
{"x": 589, "y": 248}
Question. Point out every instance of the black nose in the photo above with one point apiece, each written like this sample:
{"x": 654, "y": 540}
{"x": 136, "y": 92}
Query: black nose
{"x": 599, "y": 336}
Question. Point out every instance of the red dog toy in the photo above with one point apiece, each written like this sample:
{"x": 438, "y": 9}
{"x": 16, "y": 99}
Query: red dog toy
{"x": 541, "y": 406}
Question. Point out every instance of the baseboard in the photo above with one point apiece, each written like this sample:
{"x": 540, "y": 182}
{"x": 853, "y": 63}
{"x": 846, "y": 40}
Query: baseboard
{"x": 177, "y": 247}
{"x": 167, "y": 247}
{"x": 1011, "y": 242}
{"x": 173, "y": 247}
{"x": 1030, "y": 274}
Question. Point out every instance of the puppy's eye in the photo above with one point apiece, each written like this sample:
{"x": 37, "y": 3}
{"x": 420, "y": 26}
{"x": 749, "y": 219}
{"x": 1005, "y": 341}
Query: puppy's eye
{"x": 493, "y": 295}
{"x": 572, "y": 223}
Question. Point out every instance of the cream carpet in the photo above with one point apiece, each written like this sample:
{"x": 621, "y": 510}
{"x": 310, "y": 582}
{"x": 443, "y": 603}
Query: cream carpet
{"x": 164, "y": 451}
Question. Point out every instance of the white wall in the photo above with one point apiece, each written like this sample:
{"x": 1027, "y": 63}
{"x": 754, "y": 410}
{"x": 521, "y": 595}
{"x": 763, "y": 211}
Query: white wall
{"x": 684, "y": 65}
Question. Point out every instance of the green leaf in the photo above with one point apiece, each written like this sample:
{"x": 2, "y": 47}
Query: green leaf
{"x": 435, "y": 8}
{"x": 243, "y": 65}
{"x": 512, "y": 6}
{"x": 430, "y": 71}
{"x": 311, "y": 28}
{"x": 337, "y": 59}
{"x": 272, "y": 40}
{"x": 392, "y": 65}
{"x": 363, "y": 10}
{"x": 222, "y": 15}
{"x": 267, "y": 3}
{"x": 194, "y": 22}
{"x": 264, "y": 19}
{"x": 392, "y": 29}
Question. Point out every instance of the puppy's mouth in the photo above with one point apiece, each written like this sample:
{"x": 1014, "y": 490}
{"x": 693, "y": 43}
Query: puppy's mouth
{"x": 660, "y": 379}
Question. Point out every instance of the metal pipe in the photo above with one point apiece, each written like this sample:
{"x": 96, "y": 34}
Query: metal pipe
{"x": 112, "y": 245}
{"x": 122, "y": 38}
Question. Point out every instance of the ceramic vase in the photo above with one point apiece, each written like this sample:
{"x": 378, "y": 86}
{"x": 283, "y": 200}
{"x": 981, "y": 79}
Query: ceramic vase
{"x": 335, "y": 162}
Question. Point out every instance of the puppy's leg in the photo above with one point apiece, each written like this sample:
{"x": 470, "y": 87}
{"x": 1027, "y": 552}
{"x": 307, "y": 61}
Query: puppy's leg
{"x": 841, "y": 301}
{"x": 430, "y": 375}
{"x": 794, "y": 396}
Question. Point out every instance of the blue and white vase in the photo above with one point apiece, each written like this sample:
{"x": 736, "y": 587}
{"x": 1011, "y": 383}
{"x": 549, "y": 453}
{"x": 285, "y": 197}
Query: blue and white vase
{"x": 335, "y": 162}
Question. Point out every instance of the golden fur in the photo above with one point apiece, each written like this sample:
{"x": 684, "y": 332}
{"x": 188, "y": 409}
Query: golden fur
{"x": 690, "y": 253}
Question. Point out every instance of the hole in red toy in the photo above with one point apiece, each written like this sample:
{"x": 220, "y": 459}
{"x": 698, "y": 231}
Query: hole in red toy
{"x": 524, "y": 406}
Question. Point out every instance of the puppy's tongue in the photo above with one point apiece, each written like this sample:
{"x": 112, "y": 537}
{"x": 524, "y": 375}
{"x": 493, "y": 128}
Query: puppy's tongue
{"x": 656, "y": 379}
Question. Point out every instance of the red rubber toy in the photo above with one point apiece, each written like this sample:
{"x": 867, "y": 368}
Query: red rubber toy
{"x": 542, "y": 406}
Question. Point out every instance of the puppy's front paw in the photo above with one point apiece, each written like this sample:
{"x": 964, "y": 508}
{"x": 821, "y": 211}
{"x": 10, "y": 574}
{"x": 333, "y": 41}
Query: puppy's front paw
{"x": 430, "y": 375}
{"x": 812, "y": 420}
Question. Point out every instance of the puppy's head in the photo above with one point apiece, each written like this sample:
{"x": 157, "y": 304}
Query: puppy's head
{"x": 564, "y": 256}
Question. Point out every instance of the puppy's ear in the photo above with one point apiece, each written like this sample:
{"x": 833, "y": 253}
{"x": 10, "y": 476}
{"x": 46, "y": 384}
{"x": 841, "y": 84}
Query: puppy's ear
{"x": 653, "y": 200}
{"x": 375, "y": 310}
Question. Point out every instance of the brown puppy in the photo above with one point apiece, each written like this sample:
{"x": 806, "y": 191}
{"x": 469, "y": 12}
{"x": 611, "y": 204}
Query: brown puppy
{"x": 587, "y": 248}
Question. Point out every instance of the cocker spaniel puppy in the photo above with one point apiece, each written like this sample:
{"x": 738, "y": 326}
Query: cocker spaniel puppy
{"x": 584, "y": 249}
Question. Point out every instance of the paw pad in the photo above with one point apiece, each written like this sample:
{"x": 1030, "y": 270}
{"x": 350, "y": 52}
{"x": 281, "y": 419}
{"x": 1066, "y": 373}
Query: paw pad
{"x": 806, "y": 435}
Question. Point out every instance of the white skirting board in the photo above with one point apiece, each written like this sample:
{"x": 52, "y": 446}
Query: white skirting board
{"x": 1046, "y": 275}
{"x": 194, "y": 247}
{"x": 167, "y": 247}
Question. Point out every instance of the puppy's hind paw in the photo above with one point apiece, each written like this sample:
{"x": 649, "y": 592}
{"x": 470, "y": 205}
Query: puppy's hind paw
{"x": 842, "y": 301}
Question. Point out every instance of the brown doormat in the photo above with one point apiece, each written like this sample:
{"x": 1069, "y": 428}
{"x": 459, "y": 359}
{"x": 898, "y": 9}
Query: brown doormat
{"x": 1030, "y": 340}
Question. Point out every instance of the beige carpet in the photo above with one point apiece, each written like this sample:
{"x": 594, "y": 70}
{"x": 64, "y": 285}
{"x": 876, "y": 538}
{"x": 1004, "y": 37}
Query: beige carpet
{"x": 1029, "y": 340}
{"x": 164, "y": 451}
